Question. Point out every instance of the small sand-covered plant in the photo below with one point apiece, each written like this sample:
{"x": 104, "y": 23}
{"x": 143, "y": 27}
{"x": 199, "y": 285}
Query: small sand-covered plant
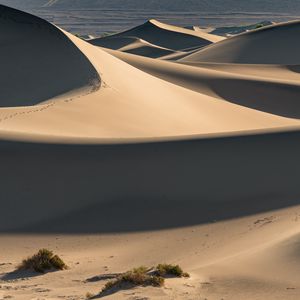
{"x": 143, "y": 276}
{"x": 44, "y": 260}
{"x": 170, "y": 270}
{"x": 136, "y": 277}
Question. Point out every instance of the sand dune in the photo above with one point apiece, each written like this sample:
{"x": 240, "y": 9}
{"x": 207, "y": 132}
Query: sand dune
{"x": 31, "y": 46}
{"x": 116, "y": 160}
{"x": 158, "y": 35}
{"x": 116, "y": 111}
{"x": 234, "y": 83}
{"x": 133, "y": 45}
{"x": 276, "y": 44}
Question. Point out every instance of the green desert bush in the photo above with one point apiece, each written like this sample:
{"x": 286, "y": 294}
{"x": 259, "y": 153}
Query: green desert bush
{"x": 171, "y": 270}
{"x": 44, "y": 260}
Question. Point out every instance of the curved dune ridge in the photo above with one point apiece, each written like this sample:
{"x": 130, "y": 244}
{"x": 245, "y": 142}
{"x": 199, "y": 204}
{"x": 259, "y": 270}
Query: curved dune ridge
{"x": 133, "y": 45}
{"x": 275, "y": 44}
{"x": 38, "y": 61}
{"x": 104, "y": 149}
{"x": 161, "y": 35}
{"x": 270, "y": 88}
{"x": 177, "y": 102}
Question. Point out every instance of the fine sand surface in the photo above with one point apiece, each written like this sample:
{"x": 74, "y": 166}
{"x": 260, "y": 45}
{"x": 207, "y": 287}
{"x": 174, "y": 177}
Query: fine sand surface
{"x": 178, "y": 154}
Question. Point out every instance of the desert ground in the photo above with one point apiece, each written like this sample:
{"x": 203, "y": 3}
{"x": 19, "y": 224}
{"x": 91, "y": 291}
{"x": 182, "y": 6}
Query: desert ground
{"x": 158, "y": 144}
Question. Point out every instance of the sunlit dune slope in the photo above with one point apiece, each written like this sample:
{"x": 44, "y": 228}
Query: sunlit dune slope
{"x": 270, "y": 88}
{"x": 276, "y": 44}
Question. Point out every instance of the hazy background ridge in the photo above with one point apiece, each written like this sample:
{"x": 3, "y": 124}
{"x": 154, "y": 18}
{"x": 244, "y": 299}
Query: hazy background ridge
{"x": 186, "y": 5}
{"x": 97, "y": 17}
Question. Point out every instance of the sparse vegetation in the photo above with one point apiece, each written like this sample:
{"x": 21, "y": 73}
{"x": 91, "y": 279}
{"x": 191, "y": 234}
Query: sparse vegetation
{"x": 171, "y": 270}
{"x": 136, "y": 277}
{"x": 44, "y": 260}
{"x": 143, "y": 276}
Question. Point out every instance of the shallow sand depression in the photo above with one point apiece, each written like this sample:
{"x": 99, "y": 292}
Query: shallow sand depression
{"x": 156, "y": 145}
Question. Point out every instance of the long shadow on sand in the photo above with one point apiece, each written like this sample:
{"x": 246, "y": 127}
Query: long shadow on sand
{"x": 284, "y": 102}
{"x": 17, "y": 274}
{"x": 143, "y": 214}
{"x": 122, "y": 188}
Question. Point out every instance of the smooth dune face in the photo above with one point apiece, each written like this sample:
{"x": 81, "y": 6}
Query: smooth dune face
{"x": 170, "y": 38}
{"x": 239, "y": 84}
{"x": 277, "y": 44}
{"x": 117, "y": 160}
{"x": 133, "y": 45}
{"x": 38, "y": 61}
{"x": 178, "y": 101}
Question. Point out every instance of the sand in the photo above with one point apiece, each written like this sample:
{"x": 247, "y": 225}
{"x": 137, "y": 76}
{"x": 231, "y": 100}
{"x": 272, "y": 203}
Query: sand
{"x": 156, "y": 40}
{"x": 116, "y": 160}
{"x": 267, "y": 45}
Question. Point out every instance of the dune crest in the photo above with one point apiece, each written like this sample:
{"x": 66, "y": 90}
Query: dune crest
{"x": 38, "y": 61}
{"x": 274, "y": 44}
{"x": 154, "y": 36}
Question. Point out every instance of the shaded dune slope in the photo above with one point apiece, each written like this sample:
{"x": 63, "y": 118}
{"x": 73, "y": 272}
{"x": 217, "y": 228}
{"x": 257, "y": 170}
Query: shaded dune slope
{"x": 114, "y": 43}
{"x": 277, "y": 44}
{"x": 162, "y": 35}
{"x": 272, "y": 89}
{"x": 143, "y": 48}
{"x": 133, "y": 45}
{"x": 117, "y": 188}
{"x": 38, "y": 61}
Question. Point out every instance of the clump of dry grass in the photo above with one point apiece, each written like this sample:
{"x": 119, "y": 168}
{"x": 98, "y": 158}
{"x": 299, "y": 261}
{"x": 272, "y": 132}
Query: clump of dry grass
{"x": 171, "y": 270}
{"x": 44, "y": 260}
{"x": 143, "y": 276}
{"x": 136, "y": 277}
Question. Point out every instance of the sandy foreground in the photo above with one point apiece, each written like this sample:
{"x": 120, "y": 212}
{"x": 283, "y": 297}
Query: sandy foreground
{"x": 253, "y": 257}
{"x": 159, "y": 144}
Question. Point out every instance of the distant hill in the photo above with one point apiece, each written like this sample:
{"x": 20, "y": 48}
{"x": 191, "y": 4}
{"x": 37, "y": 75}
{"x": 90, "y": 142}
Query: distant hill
{"x": 24, "y": 3}
{"x": 203, "y": 5}
{"x": 286, "y": 6}
{"x": 233, "y": 30}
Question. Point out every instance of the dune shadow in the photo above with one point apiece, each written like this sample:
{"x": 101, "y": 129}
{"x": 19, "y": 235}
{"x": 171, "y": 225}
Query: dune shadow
{"x": 19, "y": 275}
{"x": 34, "y": 51}
{"x": 276, "y": 98}
{"x": 102, "y": 277}
{"x": 152, "y": 186}
{"x": 158, "y": 36}
{"x": 127, "y": 215}
{"x": 114, "y": 290}
{"x": 294, "y": 68}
